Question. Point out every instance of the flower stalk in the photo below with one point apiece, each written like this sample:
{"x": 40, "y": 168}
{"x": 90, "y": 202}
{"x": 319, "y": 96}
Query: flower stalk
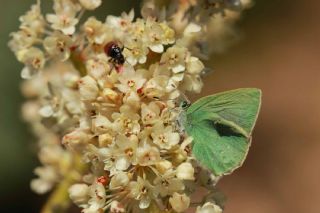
{"x": 59, "y": 200}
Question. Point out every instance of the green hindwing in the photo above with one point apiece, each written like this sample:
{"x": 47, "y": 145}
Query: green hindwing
{"x": 221, "y": 126}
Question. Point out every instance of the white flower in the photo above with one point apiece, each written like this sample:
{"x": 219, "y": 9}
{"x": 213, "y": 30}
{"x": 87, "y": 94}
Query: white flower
{"x": 136, "y": 51}
{"x": 156, "y": 87}
{"x": 154, "y": 36}
{"x": 34, "y": 60}
{"x": 147, "y": 155}
{"x": 174, "y": 59}
{"x": 209, "y": 208}
{"x": 130, "y": 81}
{"x": 164, "y": 137}
{"x": 150, "y": 113}
{"x": 22, "y": 39}
{"x": 97, "y": 201}
{"x": 126, "y": 150}
{"x": 143, "y": 191}
{"x": 192, "y": 81}
{"x": 65, "y": 17}
{"x": 96, "y": 31}
{"x": 33, "y": 19}
{"x": 179, "y": 202}
{"x": 58, "y": 45}
{"x": 108, "y": 156}
{"x": 127, "y": 121}
{"x": 123, "y": 22}
{"x": 167, "y": 185}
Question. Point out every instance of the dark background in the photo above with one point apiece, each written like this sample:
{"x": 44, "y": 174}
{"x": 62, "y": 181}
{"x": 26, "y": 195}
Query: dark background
{"x": 279, "y": 53}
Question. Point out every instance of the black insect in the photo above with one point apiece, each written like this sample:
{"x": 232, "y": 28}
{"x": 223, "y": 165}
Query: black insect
{"x": 114, "y": 51}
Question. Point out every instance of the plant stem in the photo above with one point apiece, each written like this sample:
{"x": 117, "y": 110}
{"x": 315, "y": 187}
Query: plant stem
{"x": 59, "y": 200}
{"x": 77, "y": 62}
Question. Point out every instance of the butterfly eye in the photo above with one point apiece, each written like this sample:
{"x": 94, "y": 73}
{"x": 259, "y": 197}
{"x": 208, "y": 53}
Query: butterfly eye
{"x": 185, "y": 104}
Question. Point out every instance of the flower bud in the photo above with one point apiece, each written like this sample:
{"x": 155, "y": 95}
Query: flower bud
{"x": 105, "y": 140}
{"x": 209, "y": 208}
{"x": 110, "y": 94}
{"x": 179, "y": 202}
{"x": 90, "y": 4}
{"x": 185, "y": 171}
{"x": 78, "y": 193}
{"x": 164, "y": 166}
{"x": 88, "y": 87}
{"x": 101, "y": 124}
{"x": 76, "y": 139}
{"x": 119, "y": 180}
{"x": 97, "y": 68}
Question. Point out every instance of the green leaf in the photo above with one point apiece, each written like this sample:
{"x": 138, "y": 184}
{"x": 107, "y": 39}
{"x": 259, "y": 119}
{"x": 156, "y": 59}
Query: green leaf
{"x": 221, "y": 126}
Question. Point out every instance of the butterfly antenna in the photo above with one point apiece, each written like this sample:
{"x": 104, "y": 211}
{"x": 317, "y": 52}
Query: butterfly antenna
{"x": 185, "y": 98}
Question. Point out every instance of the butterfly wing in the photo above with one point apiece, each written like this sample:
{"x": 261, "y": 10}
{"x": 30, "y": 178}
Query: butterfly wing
{"x": 221, "y": 127}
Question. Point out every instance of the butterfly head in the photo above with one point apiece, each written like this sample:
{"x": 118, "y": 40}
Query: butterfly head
{"x": 185, "y": 105}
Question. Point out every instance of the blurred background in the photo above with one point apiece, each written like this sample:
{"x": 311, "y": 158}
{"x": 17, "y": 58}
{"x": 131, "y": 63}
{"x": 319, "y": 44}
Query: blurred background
{"x": 279, "y": 52}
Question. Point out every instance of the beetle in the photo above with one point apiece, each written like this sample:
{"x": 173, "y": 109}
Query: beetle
{"x": 114, "y": 51}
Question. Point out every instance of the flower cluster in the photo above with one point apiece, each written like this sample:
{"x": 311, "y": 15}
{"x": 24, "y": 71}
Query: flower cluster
{"x": 112, "y": 127}
{"x": 216, "y": 18}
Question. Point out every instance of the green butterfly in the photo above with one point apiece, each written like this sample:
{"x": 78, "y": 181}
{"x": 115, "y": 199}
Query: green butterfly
{"x": 221, "y": 127}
